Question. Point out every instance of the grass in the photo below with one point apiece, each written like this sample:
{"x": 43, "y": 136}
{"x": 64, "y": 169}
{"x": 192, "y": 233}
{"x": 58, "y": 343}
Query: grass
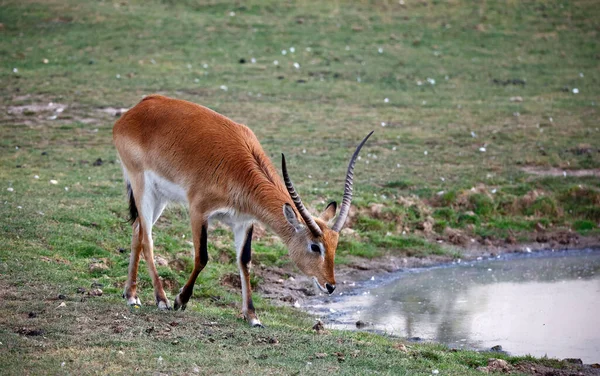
{"x": 448, "y": 71}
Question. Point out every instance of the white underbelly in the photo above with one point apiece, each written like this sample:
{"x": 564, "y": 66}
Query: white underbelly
{"x": 159, "y": 189}
{"x": 164, "y": 189}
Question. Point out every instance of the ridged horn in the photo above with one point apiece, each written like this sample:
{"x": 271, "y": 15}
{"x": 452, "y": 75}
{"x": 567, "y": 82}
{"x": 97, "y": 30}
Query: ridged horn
{"x": 308, "y": 219}
{"x": 345, "y": 208}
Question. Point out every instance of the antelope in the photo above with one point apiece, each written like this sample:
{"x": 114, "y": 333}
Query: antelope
{"x": 177, "y": 151}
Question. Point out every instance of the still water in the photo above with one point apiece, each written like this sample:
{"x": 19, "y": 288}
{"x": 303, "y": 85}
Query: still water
{"x": 538, "y": 304}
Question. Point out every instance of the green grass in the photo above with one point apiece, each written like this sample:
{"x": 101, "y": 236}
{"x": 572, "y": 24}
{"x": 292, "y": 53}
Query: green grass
{"x": 87, "y": 56}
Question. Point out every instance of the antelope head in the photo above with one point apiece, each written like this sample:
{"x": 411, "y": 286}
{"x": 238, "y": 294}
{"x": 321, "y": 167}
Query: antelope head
{"x": 313, "y": 244}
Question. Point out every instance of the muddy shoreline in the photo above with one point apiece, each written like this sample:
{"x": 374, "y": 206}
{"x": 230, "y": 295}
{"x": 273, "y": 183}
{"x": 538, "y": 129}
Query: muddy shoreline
{"x": 287, "y": 286}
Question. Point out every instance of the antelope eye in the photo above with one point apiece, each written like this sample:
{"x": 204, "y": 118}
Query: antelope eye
{"x": 315, "y": 248}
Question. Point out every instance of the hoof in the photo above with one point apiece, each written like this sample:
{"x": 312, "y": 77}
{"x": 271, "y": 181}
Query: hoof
{"x": 255, "y": 323}
{"x": 134, "y": 301}
{"x": 178, "y": 304}
{"x": 164, "y": 306}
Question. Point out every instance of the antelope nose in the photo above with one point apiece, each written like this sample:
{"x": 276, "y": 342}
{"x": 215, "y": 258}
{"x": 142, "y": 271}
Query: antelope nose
{"x": 330, "y": 288}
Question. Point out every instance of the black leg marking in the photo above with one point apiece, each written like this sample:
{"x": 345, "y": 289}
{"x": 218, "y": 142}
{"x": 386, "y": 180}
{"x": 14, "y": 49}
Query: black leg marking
{"x": 133, "y": 212}
{"x": 186, "y": 292}
{"x": 203, "y": 248}
{"x": 246, "y": 256}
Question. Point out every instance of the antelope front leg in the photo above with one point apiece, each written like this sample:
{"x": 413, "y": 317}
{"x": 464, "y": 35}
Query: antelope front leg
{"x": 243, "y": 239}
{"x": 200, "y": 261}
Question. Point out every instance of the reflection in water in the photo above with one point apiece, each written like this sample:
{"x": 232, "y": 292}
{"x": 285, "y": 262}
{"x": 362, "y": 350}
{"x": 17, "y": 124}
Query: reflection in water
{"x": 545, "y": 304}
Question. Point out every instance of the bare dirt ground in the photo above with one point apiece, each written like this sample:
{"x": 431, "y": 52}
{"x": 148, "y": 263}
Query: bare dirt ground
{"x": 560, "y": 172}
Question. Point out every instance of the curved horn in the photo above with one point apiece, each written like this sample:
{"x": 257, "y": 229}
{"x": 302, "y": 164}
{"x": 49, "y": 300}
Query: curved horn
{"x": 308, "y": 219}
{"x": 341, "y": 219}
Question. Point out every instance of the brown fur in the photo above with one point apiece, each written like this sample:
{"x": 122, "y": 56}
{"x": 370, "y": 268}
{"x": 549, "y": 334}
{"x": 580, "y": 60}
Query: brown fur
{"x": 220, "y": 164}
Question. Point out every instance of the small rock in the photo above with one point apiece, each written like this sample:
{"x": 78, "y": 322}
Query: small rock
{"x": 361, "y": 324}
{"x": 98, "y": 266}
{"x": 161, "y": 261}
{"x": 30, "y": 332}
{"x": 95, "y": 292}
{"x": 516, "y": 99}
{"x": 32, "y": 315}
{"x": 401, "y": 347}
{"x": 98, "y": 162}
{"x": 273, "y": 341}
{"x": 318, "y": 327}
{"x": 495, "y": 365}
{"x": 496, "y": 348}
{"x": 62, "y": 297}
{"x": 62, "y": 305}
{"x": 348, "y": 232}
{"x": 573, "y": 360}
{"x": 376, "y": 210}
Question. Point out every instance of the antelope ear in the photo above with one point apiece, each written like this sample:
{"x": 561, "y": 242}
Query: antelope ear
{"x": 329, "y": 212}
{"x": 290, "y": 216}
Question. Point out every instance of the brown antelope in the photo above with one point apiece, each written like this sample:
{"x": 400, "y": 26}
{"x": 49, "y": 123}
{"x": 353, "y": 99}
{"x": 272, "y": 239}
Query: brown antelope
{"x": 173, "y": 150}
